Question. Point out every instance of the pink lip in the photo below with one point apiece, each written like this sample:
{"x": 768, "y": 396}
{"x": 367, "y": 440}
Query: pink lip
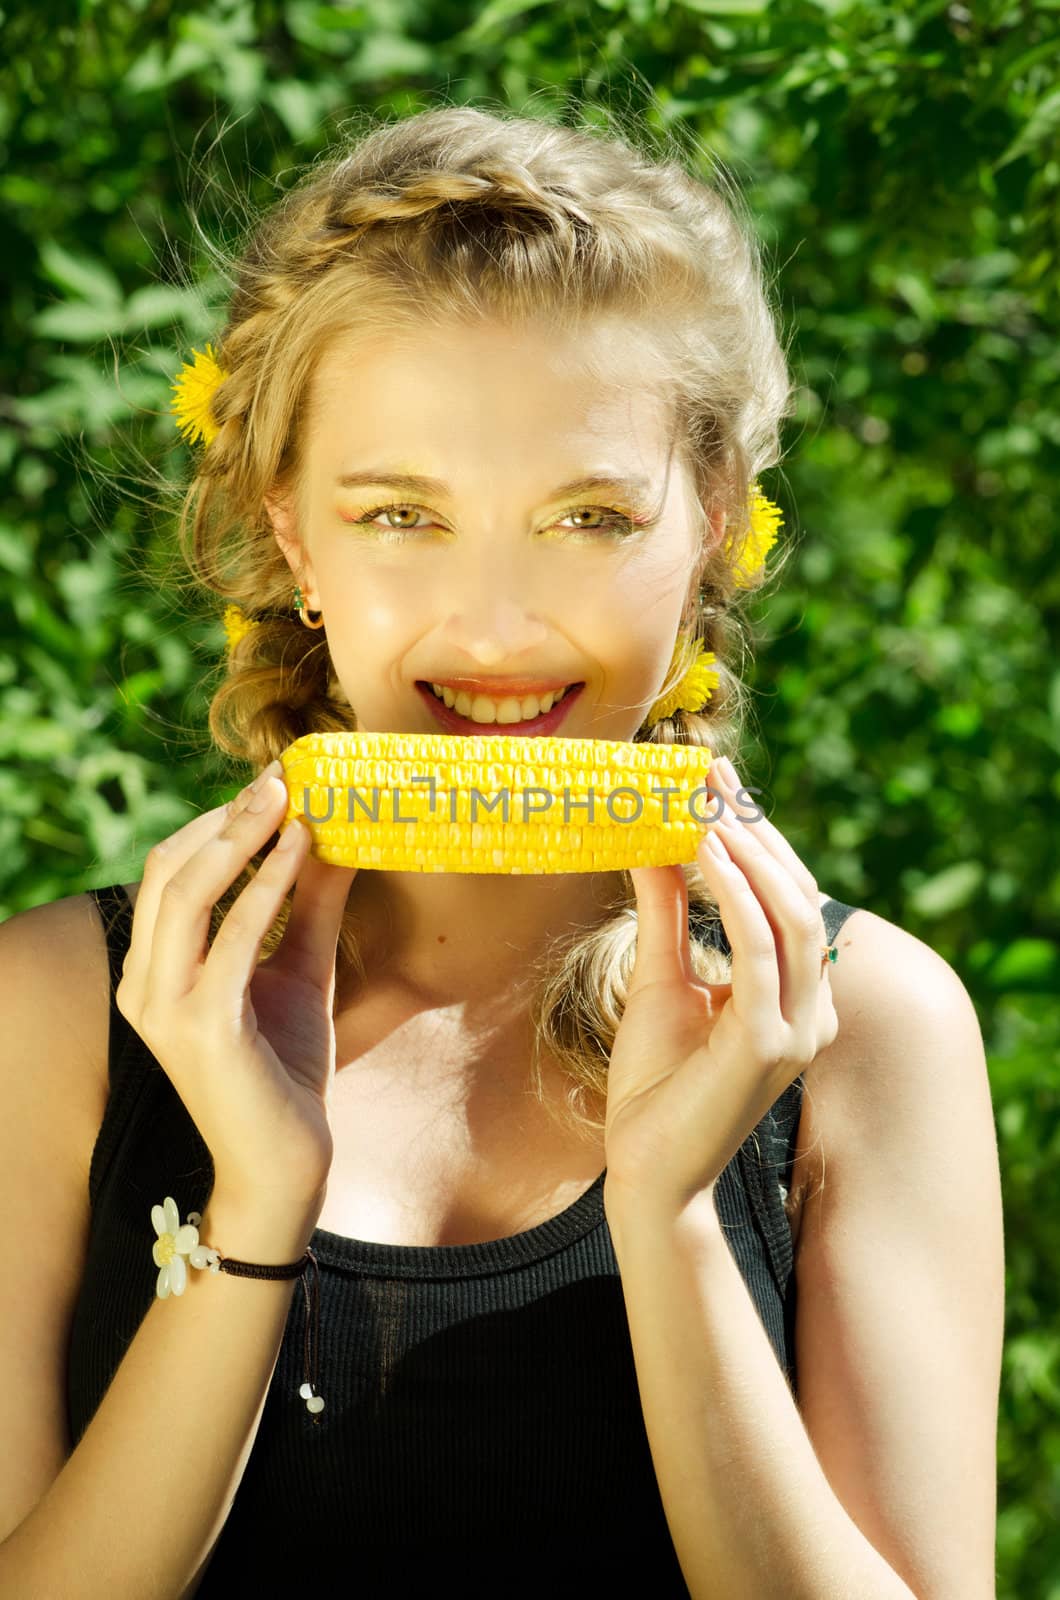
{"x": 452, "y": 722}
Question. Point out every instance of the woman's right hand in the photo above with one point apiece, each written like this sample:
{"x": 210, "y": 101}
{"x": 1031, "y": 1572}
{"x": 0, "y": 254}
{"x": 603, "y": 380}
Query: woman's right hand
{"x": 249, "y": 1047}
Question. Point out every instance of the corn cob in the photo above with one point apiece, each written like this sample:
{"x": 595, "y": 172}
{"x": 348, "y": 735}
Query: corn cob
{"x": 474, "y": 807}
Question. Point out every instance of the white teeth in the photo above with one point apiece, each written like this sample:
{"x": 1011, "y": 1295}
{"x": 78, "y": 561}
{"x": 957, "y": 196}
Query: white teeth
{"x": 482, "y": 709}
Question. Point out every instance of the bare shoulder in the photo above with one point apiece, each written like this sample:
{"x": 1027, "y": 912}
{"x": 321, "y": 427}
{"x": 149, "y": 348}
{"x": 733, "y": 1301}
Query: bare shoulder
{"x": 900, "y": 1263}
{"x": 53, "y": 1097}
{"x": 54, "y": 957}
{"x": 895, "y": 998}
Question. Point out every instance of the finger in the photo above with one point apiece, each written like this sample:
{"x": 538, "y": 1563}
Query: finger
{"x": 164, "y": 859}
{"x": 188, "y": 897}
{"x": 794, "y": 926}
{"x": 662, "y": 953}
{"x": 310, "y": 937}
{"x": 755, "y": 976}
{"x": 236, "y": 949}
{"x": 737, "y": 801}
{"x": 763, "y": 833}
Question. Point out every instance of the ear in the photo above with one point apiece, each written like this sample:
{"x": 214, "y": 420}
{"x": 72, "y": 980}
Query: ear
{"x": 281, "y": 517}
{"x": 713, "y": 534}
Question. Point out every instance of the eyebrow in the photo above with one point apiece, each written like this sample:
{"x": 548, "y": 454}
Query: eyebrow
{"x": 635, "y": 487}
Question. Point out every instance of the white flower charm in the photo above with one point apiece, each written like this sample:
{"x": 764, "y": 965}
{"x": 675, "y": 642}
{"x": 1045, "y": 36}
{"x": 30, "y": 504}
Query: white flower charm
{"x": 176, "y": 1246}
{"x": 313, "y": 1402}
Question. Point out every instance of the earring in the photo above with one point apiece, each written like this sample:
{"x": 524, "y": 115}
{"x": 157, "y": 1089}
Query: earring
{"x": 303, "y": 612}
{"x": 696, "y": 685}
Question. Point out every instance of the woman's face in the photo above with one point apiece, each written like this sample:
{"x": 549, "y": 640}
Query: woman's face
{"x": 498, "y": 572}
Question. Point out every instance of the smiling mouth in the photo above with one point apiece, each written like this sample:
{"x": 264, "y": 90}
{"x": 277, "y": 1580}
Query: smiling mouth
{"x": 483, "y": 711}
{"x": 484, "y": 708}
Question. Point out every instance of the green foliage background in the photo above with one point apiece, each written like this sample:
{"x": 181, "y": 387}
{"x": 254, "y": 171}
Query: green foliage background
{"x": 902, "y": 162}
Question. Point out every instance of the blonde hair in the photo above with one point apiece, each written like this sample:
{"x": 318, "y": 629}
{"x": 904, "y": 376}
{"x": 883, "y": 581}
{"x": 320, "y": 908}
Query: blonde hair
{"x": 461, "y": 213}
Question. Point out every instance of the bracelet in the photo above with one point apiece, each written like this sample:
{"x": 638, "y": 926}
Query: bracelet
{"x": 176, "y": 1247}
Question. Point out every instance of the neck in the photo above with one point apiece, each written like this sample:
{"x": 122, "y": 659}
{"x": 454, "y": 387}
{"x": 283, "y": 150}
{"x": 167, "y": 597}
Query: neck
{"x": 446, "y": 936}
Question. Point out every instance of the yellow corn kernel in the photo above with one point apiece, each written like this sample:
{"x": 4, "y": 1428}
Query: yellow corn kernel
{"x": 445, "y": 802}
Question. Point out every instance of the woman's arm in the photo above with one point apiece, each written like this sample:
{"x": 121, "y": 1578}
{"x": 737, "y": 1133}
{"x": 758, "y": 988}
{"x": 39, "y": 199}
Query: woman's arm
{"x": 751, "y": 1514}
{"x": 142, "y": 1500}
{"x": 888, "y": 1464}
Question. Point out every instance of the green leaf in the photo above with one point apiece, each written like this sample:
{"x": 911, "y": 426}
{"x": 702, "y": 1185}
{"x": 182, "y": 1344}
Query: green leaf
{"x": 141, "y": 687}
{"x": 960, "y": 720}
{"x": 148, "y": 73}
{"x": 298, "y": 104}
{"x": 391, "y": 55}
{"x": 78, "y": 321}
{"x": 1041, "y": 125}
{"x": 16, "y": 552}
{"x": 82, "y": 274}
{"x": 1026, "y": 964}
{"x": 728, "y": 8}
{"x": 159, "y": 305}
{"x": 952, "y": 887}
{"x": 493, "y": 15}
{"x": 85, "y": 586}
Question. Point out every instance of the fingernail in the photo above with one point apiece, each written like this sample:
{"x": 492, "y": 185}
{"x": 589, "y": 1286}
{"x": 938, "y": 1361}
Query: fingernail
{"x": 728, "y": 771}
{"x": 271, "y": 771}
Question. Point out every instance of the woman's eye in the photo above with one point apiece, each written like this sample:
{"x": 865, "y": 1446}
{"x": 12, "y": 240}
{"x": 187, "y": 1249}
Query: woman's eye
{"x": 391, "y": 508}
{"x": 614, "y": 520}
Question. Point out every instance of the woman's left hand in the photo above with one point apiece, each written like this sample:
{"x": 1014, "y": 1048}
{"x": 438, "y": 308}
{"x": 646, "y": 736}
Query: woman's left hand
{"x": 695, "y": 1066}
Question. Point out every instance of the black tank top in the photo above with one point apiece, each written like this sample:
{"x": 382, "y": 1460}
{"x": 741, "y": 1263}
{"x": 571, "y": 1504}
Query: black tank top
{"x": 483, "y": 1421}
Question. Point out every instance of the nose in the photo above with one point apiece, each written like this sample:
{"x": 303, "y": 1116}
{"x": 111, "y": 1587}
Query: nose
{"x": 494, "y": 615}
{"x": 490, "y": 634}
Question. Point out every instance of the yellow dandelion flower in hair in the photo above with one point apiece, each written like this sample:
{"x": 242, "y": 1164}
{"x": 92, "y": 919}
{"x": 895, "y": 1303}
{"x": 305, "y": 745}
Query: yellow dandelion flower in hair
{"x": 236, "y": 625}
{"x": 193, "y": 391}
{"x": 766, "y": 518}
{"x": 696, "y": 685}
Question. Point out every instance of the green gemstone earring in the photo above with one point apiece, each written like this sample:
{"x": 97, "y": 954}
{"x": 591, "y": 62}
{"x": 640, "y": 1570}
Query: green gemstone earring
{"x": 303, "y": 612}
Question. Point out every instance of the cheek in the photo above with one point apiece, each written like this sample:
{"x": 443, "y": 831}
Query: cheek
{"x": 642, "y": 646}
{"x": 377, "y": 601}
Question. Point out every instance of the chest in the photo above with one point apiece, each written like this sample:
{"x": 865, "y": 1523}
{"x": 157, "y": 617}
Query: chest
{"x": 439, "y": 1138}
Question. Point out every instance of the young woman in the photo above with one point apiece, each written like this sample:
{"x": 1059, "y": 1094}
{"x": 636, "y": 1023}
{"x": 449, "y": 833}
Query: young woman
{"x": 494, "y": 395}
